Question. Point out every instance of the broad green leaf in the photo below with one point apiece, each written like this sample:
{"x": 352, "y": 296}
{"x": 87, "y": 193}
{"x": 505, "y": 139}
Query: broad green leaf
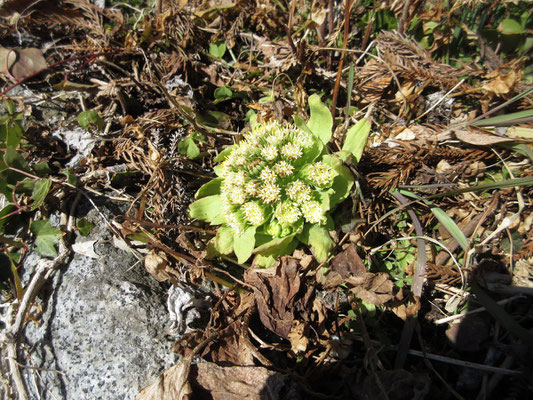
{"x": 46, "y": 237}
{"x": 511, "y": 27}
{"x": 223, "y": 241}
{"x": 84, "y": 226}
{"x": 26, "y": 186}
{"x": 71, "y": 177}
{"x": 87, "y": 119}
{"x": 244, "y": 244}
{"x": 321, "y": 121}
{"x": 3, "y": 213}
{"x": 342, "y": 183}
{"x": 223, "y": 93}
{"x": 274, "y": 246}
{"x": 188, "y": 147}
{"x": 217, "y": 50}
{"x": 14, "y": 159}
{"x": 208, "y": 209}
{"x": 210, "y": 188}
{"x": 225, "y": 153}
{"x": 318, "y": 238}
{"x": 40, "y": 190}
{"x": 42, "y": 169}
{"x": 356, "y": 138}
{"x": 11, "y": 133}
{"x": 268, "y": 260}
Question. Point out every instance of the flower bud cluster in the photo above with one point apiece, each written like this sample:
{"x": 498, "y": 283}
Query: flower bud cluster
{"x": 271, "y": 178}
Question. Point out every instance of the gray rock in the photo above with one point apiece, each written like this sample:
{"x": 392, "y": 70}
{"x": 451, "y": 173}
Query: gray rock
{"x": 103, "y": 327}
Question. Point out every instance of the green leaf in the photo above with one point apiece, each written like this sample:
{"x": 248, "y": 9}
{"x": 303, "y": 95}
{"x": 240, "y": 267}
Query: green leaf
{"x": 188, "y": 147}
{"x": 275, "y": 246}
{"x": 42, "y": 169}
{"x": 223, "y": 241}
{"x": 47, "y": 237}
{"x": 321, "y": 121}
{"x": 11, "y": 133}
{"x": 84, "y": 226}
{"x": 225, "y": 153}
{"x": 14, "y": 159}
{"x": 450, "y": 226}
{"x": 223, "y": 93}
{"x": 318, "y": 238}
{"x": 511, "y": 27}
{"x": 40, "y": 190}
{"x": 210, "y": 188}
{"x": 5, "y": 211}
{"x": 87, "y": 119}
{"x": 208, "y": 209}
{"x": 356, "y": 138}
{"x": 217, "y": 50}
{"x": 342, "y": 183}
{"x": 71, "y": 177}
{"x": 244, "y": 244}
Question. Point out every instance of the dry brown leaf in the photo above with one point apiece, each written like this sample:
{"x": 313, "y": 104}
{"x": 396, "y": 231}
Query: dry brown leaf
{"x": 229, "y": 383}
{"x": 172, "y": 384}
{"x": 373, "y": 288}
{"x": 480, "y": 138}
{"x": 21, "y": 63}
{"x": 279, "y": 294}
{"x": 348, "y": 263}
{"x": 405, "y": 311}
{"x": 298, "y": 337}
{"x": 156, "y": 264}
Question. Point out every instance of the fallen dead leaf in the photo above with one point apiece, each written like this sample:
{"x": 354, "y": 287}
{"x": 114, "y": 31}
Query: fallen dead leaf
{"x": 251, "y": 383}
{"x": 373, "y": 288}
{"x": 280, "y": 295}
{"x": 298, "y": 337}
{"x": 480, "y": 138}
{"x": 20, "y": 63}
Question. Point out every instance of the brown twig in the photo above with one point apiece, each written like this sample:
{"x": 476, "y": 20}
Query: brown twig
{"x": 341, "y": 61}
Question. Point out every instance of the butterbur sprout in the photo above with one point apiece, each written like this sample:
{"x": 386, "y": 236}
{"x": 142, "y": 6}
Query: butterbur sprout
{"x": 276, "y": 188}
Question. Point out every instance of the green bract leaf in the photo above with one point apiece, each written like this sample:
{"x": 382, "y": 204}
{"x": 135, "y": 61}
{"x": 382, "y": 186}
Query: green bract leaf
{"x": 356, "y": 139}
{"x": 47, "y": 237}
{"x": 224, "y": 153}
{"x": 210, "y": 188}
{"x": 223, "y": 241}
{"x": 342, "y": 183}
{"x": 318, "y": 238}
{"x": 208, "y": 209}
{"x": 188, "y": 147}
{"x": 40, "y": 190}
{"x": 244, "y": 244}
{"x": 321, "y": 121}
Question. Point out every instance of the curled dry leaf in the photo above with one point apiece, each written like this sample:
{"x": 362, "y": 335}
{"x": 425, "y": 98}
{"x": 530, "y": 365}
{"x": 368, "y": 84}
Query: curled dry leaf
{"x": 298, "y": 337}
{"x": 20, "y": 63}
{"x": 156, "y": 264}
{"x": 280, "y": 295}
